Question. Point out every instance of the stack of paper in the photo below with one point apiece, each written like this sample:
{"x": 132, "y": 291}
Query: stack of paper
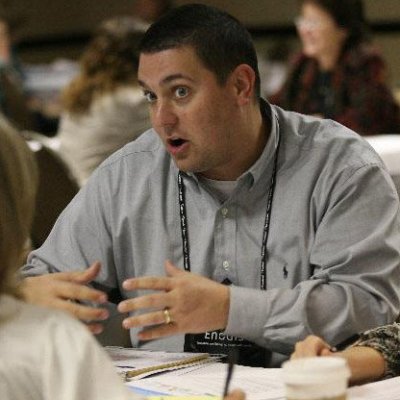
{"x": 209, "y": 380}
{"x": 136, "y": 364}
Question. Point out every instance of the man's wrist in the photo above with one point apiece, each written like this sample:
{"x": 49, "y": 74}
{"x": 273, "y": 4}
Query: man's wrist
{"x": 226, "y": 293}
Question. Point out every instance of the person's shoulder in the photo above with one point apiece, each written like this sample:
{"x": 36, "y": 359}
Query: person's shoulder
{"x": 363, "y": 54}
{"x": 327, "y": 138}
{"x": 298, "y": 58}
{"x": 141, "y": 156}
{"x": 302, "y": 65}
{"x": 129, "y": 169}
{"x": 148, "y": 145}
{"x": 19, "y": 316}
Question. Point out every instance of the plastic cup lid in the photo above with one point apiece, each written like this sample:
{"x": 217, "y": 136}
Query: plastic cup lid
{"x": 315, "y": 370}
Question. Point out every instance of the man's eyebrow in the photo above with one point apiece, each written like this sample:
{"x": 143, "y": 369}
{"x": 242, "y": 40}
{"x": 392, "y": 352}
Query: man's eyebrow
{"x": 142, "y": 84}
{"x": 173, "y": 77}
{"x": 168, "y": 79}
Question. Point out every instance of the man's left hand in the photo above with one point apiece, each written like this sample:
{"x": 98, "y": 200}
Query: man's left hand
{"x": 184, "y": 303}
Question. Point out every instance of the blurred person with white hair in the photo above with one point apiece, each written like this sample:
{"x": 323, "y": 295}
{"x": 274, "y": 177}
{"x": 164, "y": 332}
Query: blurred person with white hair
{"x": 104, "y": 107}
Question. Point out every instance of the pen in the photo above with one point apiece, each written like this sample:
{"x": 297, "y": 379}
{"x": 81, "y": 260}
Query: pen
{"x": 345, "y": 343}
{"x": 231, "y": 363}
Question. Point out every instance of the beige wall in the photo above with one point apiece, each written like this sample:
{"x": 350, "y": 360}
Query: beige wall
{"x": 44, "y": 18}
{"x": 49, "y": 17}
{"x": 261, "y": 12}
{"x": 59, "y": 17}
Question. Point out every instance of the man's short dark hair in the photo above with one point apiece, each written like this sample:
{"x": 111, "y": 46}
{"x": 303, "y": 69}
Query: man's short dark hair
{"x": 220, "y": 41}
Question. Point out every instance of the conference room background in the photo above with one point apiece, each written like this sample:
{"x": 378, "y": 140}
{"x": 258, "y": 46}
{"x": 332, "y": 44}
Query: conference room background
{"x": 52, "y": 29}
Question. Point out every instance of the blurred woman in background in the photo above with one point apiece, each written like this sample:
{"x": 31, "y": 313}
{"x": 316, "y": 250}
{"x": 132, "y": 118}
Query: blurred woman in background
{"x": 339, "y": 74}
{"x": 104, "y": 107}
{"x": 44, "y": 354}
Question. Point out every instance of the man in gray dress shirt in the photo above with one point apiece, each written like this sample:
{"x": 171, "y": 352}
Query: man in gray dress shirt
{"x": 276, "y": 225}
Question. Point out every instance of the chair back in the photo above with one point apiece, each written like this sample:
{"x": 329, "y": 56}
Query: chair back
{"x": 56, "y": 188}
{"x": 15, "y": 106}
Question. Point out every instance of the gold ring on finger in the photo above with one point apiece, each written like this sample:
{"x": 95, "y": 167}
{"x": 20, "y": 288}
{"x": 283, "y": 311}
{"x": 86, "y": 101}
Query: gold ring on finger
{"x": 167, "y": 316}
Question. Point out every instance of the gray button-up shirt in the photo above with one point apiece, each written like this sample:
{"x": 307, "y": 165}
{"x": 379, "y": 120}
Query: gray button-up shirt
{"x": 334, "y": 264}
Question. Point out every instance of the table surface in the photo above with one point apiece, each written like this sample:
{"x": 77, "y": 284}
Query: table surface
{"x": 388, "y": 147}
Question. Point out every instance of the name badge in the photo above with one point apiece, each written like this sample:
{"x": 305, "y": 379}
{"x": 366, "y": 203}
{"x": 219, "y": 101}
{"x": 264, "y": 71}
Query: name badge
{"x": 216, "y": 342}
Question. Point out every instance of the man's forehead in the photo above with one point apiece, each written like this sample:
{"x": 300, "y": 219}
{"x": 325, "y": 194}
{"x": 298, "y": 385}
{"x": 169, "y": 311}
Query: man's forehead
{"x": 165, "y": 65}
{"x": 185, "y": 51}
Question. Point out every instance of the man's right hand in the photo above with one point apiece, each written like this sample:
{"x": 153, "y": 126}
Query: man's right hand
{"x": 64, "y": 291}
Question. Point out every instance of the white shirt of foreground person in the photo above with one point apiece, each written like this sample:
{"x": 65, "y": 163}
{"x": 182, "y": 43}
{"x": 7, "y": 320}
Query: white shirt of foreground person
{"x": 45, "y": 354}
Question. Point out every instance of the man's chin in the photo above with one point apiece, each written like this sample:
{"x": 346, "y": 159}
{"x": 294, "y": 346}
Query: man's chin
{"x": 186, "y": 167}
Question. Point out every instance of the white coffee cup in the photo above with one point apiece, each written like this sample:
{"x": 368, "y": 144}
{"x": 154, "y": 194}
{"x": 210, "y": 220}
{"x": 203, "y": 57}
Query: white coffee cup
{"x": 316, "y": 378}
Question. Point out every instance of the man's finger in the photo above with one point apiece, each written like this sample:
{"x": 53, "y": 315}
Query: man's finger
{"x": 172, "y": 270}
{"x": 148, "y": 319}
{"x": 157, "y": 300}
{"x": 74, "y": 291}
{"x": 82, "y": 312}
{"x": 88, "y": 275}
{"x": 82, "y": 277}
{"x": 95, "y": 328}
{"x": 158, "y": 332}
{"x": 148, "y": 283}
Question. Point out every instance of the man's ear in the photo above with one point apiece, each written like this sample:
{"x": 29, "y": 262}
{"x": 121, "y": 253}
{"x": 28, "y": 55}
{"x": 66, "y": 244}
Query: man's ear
{"x": 243, "y": 79}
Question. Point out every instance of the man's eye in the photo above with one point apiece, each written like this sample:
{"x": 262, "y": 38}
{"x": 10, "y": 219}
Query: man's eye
{"x": 181, "y": 92}
{"x": 150, "y": 97}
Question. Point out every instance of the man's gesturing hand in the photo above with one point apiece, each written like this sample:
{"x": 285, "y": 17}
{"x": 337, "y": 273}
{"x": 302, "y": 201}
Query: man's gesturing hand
{"x": 63, "y": 290}
{"x": 184, "y": 303}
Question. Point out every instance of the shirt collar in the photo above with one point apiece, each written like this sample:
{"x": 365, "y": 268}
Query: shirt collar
{"x": 258, "y": 169}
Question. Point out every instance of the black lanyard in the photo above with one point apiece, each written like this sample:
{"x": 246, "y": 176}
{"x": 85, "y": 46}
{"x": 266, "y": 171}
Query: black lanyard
{"x": 264, "y": 252}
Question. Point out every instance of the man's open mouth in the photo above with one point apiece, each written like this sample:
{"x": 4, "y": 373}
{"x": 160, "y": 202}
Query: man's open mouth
{"x": 176, "y": 142}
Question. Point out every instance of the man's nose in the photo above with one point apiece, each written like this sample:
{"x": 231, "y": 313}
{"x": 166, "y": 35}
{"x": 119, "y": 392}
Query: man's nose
{"x": 164, "y": 115}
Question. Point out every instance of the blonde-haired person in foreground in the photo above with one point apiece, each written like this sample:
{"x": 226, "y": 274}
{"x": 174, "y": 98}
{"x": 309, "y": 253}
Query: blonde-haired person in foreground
{"x": 44, "y": 354}
{"x": 375, "y": 355}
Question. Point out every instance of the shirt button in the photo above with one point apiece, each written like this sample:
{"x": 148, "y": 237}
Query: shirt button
{"x": 225, "y": 264}
{"x": 224, "y": 212}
